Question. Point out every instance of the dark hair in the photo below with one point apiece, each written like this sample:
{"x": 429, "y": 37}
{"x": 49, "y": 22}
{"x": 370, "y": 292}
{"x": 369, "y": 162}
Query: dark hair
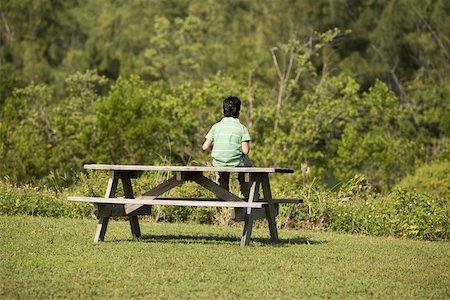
{"x": 231, "y": 107}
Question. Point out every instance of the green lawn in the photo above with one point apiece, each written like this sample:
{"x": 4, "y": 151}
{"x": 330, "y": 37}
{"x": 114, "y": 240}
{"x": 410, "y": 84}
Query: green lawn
{"x": 55, "y": 258}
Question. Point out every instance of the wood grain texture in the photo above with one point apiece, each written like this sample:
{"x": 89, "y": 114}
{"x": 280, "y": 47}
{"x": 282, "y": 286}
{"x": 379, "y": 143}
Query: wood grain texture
{"x": 186, "y": 168}
{"x": 151, "y": 200}
{"x": 270, "y": 209}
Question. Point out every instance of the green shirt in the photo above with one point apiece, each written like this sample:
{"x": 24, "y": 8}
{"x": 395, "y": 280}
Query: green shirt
{"x": 227, "y": 136}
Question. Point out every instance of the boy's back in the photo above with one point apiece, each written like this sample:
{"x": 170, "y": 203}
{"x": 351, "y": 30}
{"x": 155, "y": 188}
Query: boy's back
{"x": 227, "y": 137}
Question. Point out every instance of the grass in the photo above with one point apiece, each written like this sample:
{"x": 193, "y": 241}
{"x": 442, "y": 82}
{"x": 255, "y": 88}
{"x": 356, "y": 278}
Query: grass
{"x": 55, "y": 258}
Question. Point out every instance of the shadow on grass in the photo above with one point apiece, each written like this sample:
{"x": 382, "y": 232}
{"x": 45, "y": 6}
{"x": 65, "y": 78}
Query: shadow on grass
{"x": 211, "y": 239}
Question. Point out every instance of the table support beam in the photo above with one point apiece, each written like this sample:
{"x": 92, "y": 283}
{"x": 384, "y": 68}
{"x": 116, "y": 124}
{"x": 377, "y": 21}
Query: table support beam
{"x": 156, "y": 191}
{"x": 214, "y": 188}
{"x": 101, "y": 229}
{"x": 134, "y": 221}
{"x": 102, "y": 224}
{"x": 270, "y": 209}
{"x": 248, "y": 222}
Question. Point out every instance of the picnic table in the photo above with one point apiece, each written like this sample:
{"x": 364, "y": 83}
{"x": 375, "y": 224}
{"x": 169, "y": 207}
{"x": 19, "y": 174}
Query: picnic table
{"x": 247, "y": 210}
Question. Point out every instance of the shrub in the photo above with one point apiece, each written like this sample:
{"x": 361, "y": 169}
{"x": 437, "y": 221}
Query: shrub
{"x": 431, "y": 178}
{"x": 357, "y": 208}
{"x": 36, "y": 201}
{"x": 418, "y": 215}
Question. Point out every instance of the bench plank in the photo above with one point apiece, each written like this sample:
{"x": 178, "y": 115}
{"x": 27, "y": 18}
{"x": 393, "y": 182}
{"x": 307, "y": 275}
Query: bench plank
{"x": 274, "y": 200}
{"x": 186, "y": 168}
{"x": 149, "y": 200}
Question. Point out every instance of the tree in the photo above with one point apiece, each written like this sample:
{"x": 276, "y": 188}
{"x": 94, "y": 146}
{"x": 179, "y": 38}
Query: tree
{"x": 41, "y": 134}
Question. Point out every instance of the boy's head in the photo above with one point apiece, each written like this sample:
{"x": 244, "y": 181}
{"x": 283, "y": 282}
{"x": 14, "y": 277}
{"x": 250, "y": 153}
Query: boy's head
{"x": 231, "y": 107}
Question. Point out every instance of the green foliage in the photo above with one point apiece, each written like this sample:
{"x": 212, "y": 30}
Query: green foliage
{"x": 26, "y": 133}
{"x": 431, "y": 178}
{"x": 420, "y": 215}
{"x": 368, "y": 100}
{"x": 377, "y": 140}
{"x": 41, "y": 134}
{"x": 33, "y": 201}
{"x": 129, "y": 122}
{"x": 357, "y": 208}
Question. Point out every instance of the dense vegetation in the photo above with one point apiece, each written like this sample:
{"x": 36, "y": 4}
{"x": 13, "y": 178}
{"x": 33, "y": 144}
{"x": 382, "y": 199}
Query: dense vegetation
{"x": 339, "y": 90}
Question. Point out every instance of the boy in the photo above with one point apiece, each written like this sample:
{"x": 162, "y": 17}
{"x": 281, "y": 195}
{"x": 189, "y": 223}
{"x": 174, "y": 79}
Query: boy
{"x": 231, "y": 144}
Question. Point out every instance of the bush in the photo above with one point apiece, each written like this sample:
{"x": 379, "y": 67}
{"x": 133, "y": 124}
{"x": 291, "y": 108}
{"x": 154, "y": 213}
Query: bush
{"x": 418, "y": 215}
{"x": 431, "y": 178}
{"x": 357, "y": 208}
{"x": 36, "y": 201}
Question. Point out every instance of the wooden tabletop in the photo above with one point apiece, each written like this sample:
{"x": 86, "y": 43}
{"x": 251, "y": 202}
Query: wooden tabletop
{"x": 185, "y": 168}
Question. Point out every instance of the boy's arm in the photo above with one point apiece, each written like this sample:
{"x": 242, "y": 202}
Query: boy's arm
{"x": 245, "y": 147}
{"x": 206, "y": 144}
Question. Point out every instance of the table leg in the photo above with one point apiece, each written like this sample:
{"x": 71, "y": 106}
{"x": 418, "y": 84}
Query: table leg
{"x": 248, "y": 222}
{"x": 112, "y": 187}
{"x": 103, "y": 220}
{"x": 270, "y": 209}
{"x": 134, "y": 221}
{"x": 135, "y": 228}
{"x": 101, "y": 229}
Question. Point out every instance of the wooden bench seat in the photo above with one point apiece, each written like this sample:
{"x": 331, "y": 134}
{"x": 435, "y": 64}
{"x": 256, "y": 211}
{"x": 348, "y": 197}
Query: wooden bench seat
{"x": 149, "y": 200}
{"x": 274, "y": 200}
